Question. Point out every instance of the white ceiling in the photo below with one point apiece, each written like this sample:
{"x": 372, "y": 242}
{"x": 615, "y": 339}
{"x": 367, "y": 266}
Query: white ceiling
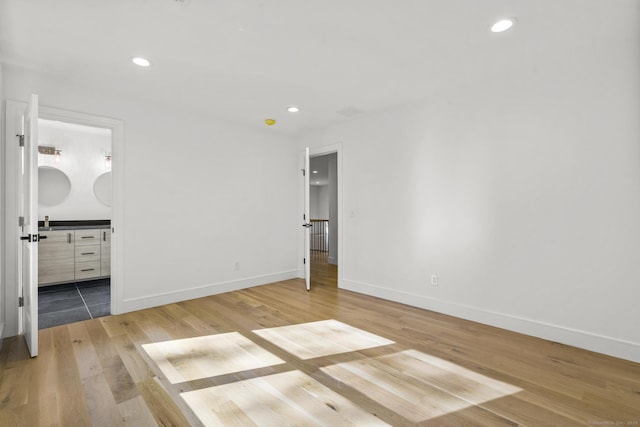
{"x": 248, "y": 60}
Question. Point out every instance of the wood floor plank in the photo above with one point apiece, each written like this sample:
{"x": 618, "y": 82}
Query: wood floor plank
{"x": 137, "y": 367}
{"x": 113, "y": 325}
{"x": 47, "y": 381}
{"x": 86, "y": 356}
{"x": 163, "y": 407}
{"x": 72, "y": 404}
{"x": 136, "y": 413}
{"x": 102, "y": 407}
{"x": 121, "y": 384}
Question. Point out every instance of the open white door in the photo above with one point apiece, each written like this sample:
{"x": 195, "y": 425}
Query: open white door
{"x": 307, "y": 222}
{"x": 29, "y": 239}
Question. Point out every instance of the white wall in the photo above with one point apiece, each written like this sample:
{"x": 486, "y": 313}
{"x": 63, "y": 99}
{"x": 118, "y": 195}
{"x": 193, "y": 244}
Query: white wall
{"x": 82, "y": 159}
{"x": 193, "y": 188}
{"x": 319, "y": 202}
{"x": 521, "y": 192}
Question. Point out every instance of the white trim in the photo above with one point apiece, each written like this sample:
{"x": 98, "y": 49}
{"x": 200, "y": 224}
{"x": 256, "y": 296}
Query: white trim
{"x": 11, "y": 204}
{"x": 599, "y": 343}
{"x": 10, "y": 214}
{"x": 321, "y": 151}
{"x": 139, "y": 303}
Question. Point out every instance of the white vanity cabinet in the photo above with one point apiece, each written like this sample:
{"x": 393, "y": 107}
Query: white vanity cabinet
{"x": 73, "y": 255}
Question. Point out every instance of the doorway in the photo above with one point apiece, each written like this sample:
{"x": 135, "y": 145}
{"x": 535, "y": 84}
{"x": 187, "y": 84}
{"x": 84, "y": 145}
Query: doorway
{"x": 323, "y": 211}
{"x": 74, "y": 221}
{"x": 17, "y": 291}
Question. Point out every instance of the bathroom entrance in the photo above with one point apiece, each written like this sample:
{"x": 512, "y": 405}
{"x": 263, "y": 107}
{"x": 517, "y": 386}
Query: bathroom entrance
{"x": 25, "y": 220}
{"x": 74, "y": 222}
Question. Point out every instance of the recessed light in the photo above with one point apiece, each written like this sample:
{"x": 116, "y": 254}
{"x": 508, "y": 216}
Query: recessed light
{"x": 293, "y": 109}
{"x": 141, "y": 61}
{"x": 503, "y": 25}
{"x": 317, "y": 182}
{"x": 315, "y": 171}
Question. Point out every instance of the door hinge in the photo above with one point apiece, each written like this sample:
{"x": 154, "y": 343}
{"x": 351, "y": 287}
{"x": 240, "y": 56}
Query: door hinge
{"x": 20, "y": 301}
{"x": 20, "y": 140}
{"x": 303, "y": 172}
{"x": 304, "y": 260}
{"x": 20, "y": 221}
{"x": 304, "y": 217}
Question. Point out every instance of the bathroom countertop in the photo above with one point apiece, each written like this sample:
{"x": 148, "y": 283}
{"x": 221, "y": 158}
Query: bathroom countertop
{"x": 74, "y": 225}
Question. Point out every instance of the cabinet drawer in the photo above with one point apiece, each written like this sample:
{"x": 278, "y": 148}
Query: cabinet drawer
{"x": 54, "y": 273}
{"x": 88, "y": 253}
{"x": 56, "y": 257}
{"x": 86, "y": 270}
{"x": 88, "y": 237}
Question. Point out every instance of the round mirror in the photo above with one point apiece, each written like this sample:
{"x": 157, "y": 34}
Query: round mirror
{"x": 53, "y": 186}
{"x": 102, "y": 188}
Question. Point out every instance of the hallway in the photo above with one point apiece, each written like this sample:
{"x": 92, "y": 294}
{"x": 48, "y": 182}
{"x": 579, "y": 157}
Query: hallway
{"x": 323, "y": 273}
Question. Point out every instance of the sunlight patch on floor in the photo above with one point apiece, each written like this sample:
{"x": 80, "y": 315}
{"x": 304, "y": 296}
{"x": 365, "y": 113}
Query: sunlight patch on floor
{"x": 286, "y": 399}
{"x": 208, "y": 356}
{"x": 417, "y": 385}
{"x": 322, "y": 338}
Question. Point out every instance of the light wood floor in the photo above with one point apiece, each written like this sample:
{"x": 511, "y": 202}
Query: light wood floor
{"x": 323, "y": 273}
{"x": 279, "y": 355}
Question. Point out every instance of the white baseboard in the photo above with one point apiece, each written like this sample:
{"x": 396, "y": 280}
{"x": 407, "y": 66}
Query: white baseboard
{"x": 599, "y": 343}
{"x": 139, "y": 303}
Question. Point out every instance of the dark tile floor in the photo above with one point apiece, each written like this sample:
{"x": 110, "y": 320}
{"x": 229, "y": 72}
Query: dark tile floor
{"x": 73, "y": 302}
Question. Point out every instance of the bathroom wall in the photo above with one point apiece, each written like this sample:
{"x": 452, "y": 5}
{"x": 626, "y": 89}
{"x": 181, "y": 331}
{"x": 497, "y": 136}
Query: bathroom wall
{"x": 83, "y": 150}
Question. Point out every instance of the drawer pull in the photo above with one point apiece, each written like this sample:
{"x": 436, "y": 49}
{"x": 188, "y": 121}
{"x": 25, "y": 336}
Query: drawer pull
{"x": 88, "y": 253}
{"x": 104, "y": 236}
{"x": 87, "y": 269}
{"x": 68, "y": 237}
{"x": 87, "y": 237}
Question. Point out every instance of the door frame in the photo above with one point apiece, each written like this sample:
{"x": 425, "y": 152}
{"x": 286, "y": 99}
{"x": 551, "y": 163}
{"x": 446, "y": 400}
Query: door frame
{"x": 321, "y": 151}
{"x": 13, "y": 320}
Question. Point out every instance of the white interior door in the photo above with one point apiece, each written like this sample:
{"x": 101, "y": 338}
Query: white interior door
{"x": 307, "y": 223}
{"x": 29, "y": 239}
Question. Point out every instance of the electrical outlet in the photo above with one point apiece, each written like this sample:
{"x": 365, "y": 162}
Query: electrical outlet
{"x": 237, "y": 267}
{"x": 434, "y": 279}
